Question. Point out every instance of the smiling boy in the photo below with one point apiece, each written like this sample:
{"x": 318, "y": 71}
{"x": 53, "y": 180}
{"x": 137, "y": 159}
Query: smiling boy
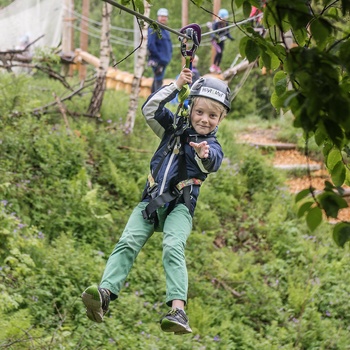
{"x": 187, "y": 153}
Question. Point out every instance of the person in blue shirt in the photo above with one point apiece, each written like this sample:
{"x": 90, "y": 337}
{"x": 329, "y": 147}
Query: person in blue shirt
{"x": 160, "y": 50}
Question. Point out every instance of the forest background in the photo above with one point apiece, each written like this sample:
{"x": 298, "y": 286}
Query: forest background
{"x": 258, "y": 278}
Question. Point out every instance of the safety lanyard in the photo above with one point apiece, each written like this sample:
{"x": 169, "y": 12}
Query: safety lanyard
{"x": 192, "y": 31}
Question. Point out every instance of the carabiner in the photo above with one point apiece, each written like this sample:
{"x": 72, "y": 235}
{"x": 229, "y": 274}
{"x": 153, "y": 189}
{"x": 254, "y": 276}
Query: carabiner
{"x": 192, "y": 31}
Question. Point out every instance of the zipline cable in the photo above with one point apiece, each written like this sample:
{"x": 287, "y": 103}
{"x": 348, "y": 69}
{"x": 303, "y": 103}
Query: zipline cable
{"x": 147, "y": 19}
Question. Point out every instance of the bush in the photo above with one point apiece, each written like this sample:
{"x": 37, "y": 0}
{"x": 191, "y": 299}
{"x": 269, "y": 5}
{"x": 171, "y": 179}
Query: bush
{"x": 258, "y": 280}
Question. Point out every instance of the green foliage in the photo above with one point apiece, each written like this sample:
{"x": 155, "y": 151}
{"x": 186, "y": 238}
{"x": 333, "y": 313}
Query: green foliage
{"x": 317, "y": 61}
{"x": 258, "y": 279}
{"x": 14, "y": 95}
{"x": 66, "y": 195}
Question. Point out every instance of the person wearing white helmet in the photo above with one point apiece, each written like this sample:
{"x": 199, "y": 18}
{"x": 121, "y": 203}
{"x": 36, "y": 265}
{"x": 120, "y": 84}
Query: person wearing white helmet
{"x": 218, "y": 39}
{"x": 187, "y": 153}
{"x": 160, "y": 50}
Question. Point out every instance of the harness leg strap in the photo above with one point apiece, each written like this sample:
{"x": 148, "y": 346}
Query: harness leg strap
{"x": 156, "y": 203}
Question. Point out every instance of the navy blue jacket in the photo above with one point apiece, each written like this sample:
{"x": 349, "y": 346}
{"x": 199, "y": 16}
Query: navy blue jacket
{"x": 160, "y": 119}
{"x": 223, "y": 34}
{"x": 160, "y": 50}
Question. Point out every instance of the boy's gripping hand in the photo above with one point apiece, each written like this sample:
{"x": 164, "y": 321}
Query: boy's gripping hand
{"x": 185, "y": 77}
{"x": 202, "y": 148}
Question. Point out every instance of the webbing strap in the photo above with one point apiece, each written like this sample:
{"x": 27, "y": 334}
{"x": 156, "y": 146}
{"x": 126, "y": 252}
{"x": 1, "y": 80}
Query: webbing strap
{"x": 167, "y": 197}
{"x": 152, "y": 188}
{"x": 188, "y": 182}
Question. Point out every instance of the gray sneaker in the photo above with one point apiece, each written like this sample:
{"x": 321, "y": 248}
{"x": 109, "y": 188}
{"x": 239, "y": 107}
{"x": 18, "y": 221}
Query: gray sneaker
{"x": 175, "y": 321}
{"x": 96, "y": 301}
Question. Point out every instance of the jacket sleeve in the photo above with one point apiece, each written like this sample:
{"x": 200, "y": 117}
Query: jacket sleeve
{"x": 157, "y": 116}
{"x": 151, "y": 45}
{"x": 213, "y": 162}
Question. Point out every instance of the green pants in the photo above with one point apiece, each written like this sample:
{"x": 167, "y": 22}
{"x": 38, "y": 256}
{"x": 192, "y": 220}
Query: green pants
{"x": 176, "y": 229}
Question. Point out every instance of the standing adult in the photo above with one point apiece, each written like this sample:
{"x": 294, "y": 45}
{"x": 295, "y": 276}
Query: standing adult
{"x": 160, "y": 50}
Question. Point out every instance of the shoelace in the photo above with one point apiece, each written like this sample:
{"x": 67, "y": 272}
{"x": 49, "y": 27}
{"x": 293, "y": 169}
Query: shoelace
{"x": 176, "y": 312}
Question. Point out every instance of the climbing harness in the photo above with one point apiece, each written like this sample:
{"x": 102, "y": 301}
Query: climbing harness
{"x": 176, "y": 143}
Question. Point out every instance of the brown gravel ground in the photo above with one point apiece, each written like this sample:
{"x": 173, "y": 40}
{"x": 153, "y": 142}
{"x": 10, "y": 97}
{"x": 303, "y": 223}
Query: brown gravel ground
{"x": 294, "y": 157}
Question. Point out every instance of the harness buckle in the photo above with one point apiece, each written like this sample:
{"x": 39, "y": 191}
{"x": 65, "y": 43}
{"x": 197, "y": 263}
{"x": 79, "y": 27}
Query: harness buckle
{"x": 152, "y": 190}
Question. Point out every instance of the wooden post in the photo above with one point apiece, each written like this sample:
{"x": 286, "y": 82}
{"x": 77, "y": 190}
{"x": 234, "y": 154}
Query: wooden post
{"x": 84, "y": 37}
{"x": 105, "y": 51}
{"x": 184, "y": 20}
{"x": 67, "y": 33}
{"x": 216, "y": 8}
{"x": 137, "y": 39}
{"x": 184, "y": 12}
{"x": 137, "y": 78}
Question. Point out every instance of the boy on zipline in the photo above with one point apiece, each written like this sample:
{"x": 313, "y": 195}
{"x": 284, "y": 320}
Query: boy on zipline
{"x": 187, "y": 153}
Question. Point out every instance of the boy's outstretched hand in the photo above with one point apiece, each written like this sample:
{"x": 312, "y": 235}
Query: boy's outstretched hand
{"x": 185, "y": 77}
{"x": 202, "y": 148}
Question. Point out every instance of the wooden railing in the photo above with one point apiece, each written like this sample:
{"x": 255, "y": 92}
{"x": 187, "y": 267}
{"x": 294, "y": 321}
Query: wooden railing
{"x": 116, "y": 78}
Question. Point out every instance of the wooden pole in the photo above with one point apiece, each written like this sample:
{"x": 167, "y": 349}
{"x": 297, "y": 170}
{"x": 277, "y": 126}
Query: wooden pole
{"x": 84, "y": 37}
{"x": 216, "y": 8}
{"x": 67, "y": 33}
{"x": 184, "y": 20}
{"x": 137, "y": 79}
{"x": 184, "y": 12}
{"x": 137, "y": 39}
{"x": 64, "y": 27}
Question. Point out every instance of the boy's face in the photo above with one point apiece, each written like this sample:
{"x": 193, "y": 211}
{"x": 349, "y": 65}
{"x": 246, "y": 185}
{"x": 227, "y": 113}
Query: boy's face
{"x": 204, "y": 119}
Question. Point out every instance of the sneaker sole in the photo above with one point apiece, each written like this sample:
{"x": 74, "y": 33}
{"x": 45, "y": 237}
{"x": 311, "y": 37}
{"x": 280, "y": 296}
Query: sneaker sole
{"x": 92, "y": 302}
{"x": 176, "y": 328}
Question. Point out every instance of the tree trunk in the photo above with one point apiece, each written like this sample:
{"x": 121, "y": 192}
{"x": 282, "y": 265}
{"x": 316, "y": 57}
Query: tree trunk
{"x": 138, "y": 72}
{"x": 105, "y": 50}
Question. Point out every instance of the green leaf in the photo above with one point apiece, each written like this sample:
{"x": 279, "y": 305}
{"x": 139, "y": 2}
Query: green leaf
{"x": 270, "y": 17}
{"x": 320, "y": 135}
{"x": 333, "y": 157}
{"x": 334, "y": 132}
{"x": 331, "y": 203}
{"x": 300, "y": 17}
{"x": 265, "y": 60}
{"x": 290, "y": 98}
{"x": 140, "y": 6}
{"x": 305, "y": 207}
{"x": 301, "y": 36}
{"x": 338, "y": 174}
{"x": 341, "y": 233}
{"x": 276, "y": 101}
{"x": 344, "y": 54}
{"x": 280, "y": 81}
{"x": 302, "y": 194}
{"x": 252, "y": 50}
{"x": 275, "y": 61}
{"x": 242, "y": 46}
{"x": 246, "y": 9}
{"x": 320, "y": 30}
{"x": 239, "y": 3}
{"x": 314, "y": 218}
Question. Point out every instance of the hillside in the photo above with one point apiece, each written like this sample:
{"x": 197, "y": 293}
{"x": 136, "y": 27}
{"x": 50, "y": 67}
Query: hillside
{"x": 258, "y": 278}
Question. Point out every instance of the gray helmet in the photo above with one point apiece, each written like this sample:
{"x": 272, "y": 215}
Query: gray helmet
{"x": 212, "y": 88}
